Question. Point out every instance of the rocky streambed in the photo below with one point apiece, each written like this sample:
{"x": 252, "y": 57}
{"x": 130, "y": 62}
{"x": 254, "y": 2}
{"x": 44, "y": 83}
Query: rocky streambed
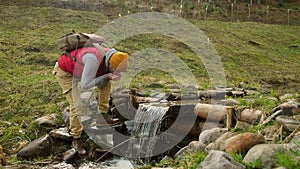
{"x": 211, "y": 121}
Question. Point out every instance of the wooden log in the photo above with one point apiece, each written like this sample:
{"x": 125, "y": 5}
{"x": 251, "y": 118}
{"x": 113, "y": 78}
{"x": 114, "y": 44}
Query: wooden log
{"x": 213, "y": 112}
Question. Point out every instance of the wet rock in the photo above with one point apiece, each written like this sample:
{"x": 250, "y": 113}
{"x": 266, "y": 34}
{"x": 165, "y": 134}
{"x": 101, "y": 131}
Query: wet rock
{"x": 243, "y": 126}
{"x": 271, "y": 132}
{"x": 215, "y": 94}
{"x": 173, "y": 96}
{"x": 89, "y": 165}
{"x": 211, "y": 135}
{"x": 192, "y": 147}
{"x": 220, "y": 143}
{"x": 46, "y": 121}
{"x": 241, "y": 143}
{"x": 62, "y": 165}
{"x": 252, "y": 92}
{"x": 172, "y": 86}
{"x": 219, "y": 159}
{"x": 70, "y": 156}
{"x": 266, "y": 153}
{"x": 230, "y": 102}
{"x": 251, "y": 116}
{"x": 158, "y": 96}
{"x": 61, "y": 133}
{"x": 289, "y": 108}
{"x": 288, "y": 123}
{"x": 238, "y": 93}
{"x": 189, "y": 96}
{"x": 37, "y": 148}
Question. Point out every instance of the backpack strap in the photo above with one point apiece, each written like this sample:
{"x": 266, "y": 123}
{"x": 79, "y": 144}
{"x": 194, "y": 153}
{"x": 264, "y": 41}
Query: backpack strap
{"x": 100, "y": 49}
{"x": 72, "y": 57}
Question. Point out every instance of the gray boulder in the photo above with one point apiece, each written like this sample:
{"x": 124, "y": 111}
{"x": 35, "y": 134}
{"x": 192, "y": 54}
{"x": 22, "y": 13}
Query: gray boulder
{"x": 219, "y": 160}
{"x": 211, "y": 135}
{"x": 266, "y": 153}
{"x": 37, "y": 148}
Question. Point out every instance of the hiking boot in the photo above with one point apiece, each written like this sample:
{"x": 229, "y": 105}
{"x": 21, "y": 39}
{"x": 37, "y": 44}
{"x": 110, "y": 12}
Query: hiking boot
{"x": 103, "y": 119}
{"x": 78, "y": 145}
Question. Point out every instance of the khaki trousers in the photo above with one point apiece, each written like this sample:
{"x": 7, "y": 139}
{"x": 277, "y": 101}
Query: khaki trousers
{"x": 71, "y": 90}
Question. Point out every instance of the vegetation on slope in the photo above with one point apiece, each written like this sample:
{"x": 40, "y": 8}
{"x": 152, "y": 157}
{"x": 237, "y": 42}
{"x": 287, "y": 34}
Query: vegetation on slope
{"x": 254, "y": 53}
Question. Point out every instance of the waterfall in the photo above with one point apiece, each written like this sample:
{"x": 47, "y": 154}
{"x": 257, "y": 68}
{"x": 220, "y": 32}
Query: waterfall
{"x": 144, "y": 133}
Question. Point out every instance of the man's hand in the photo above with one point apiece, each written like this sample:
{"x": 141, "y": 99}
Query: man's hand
{"x": 112, "y": 76}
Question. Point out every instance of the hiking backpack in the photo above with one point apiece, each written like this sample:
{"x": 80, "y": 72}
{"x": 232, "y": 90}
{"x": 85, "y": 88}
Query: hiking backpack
{"x": 73, "y": 41}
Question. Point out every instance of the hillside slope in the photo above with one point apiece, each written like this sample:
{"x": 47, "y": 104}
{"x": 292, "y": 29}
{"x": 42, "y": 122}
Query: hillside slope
{"x": 251, "y": 52}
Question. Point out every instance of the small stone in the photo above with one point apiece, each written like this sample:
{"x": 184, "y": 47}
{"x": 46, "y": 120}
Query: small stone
{"x": 46, "y": 121}
{"x": 242, "y": 126}
{"x": 69, "y": 155}
{"x": 62, "y": 165}
{"x": 61, "y": 133}
{"x": 230, "y": 102}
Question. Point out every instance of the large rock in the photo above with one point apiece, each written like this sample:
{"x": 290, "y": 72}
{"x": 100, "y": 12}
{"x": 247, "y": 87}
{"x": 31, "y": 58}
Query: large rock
{"x": 37, "y": 148}
{"x": 251, "y": 116}
{"x": 219, "y": 160}
{"x": 192, "y": 147}
{"x": 220, "y": 143}
{"x": 241, "y": 143}
{"x": 211, "y": 135}
{"x": 289, "y": 124}
{"x": 289, "y": 108}
{"x": 266, "y": 153}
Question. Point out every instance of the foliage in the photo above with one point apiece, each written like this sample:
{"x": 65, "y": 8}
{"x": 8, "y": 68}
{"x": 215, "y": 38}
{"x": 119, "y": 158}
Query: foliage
{"x": 289, "y": 159}
{"x": 239, "y": 158}
{"x": 187, "y": 160}
{"x": 28, "y": 54}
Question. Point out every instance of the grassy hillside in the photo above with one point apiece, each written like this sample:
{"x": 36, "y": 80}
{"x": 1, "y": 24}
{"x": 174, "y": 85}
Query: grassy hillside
{"x": 251, "y": 52}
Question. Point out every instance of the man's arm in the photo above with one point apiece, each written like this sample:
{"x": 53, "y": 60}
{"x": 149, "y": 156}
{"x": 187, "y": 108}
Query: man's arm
{"x": 90, "y": 69}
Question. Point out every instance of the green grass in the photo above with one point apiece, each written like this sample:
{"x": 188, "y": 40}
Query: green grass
{"x": 289, "y": 159}
{"x": 184, "y": 161}
{"x": 27, "y": 56}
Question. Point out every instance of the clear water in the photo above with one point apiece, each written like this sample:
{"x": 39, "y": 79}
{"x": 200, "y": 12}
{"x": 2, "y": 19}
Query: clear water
{"x": 146, "y": 126}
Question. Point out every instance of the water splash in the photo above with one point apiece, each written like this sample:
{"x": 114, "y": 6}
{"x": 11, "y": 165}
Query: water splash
{"x": 145, "y": 130}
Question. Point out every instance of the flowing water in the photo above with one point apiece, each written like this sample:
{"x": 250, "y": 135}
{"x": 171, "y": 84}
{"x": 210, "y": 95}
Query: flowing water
{"x": 146, "y": 126}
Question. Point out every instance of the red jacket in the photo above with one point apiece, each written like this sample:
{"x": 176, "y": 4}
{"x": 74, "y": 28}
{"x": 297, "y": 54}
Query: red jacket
{"x": 75, "y": 69}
